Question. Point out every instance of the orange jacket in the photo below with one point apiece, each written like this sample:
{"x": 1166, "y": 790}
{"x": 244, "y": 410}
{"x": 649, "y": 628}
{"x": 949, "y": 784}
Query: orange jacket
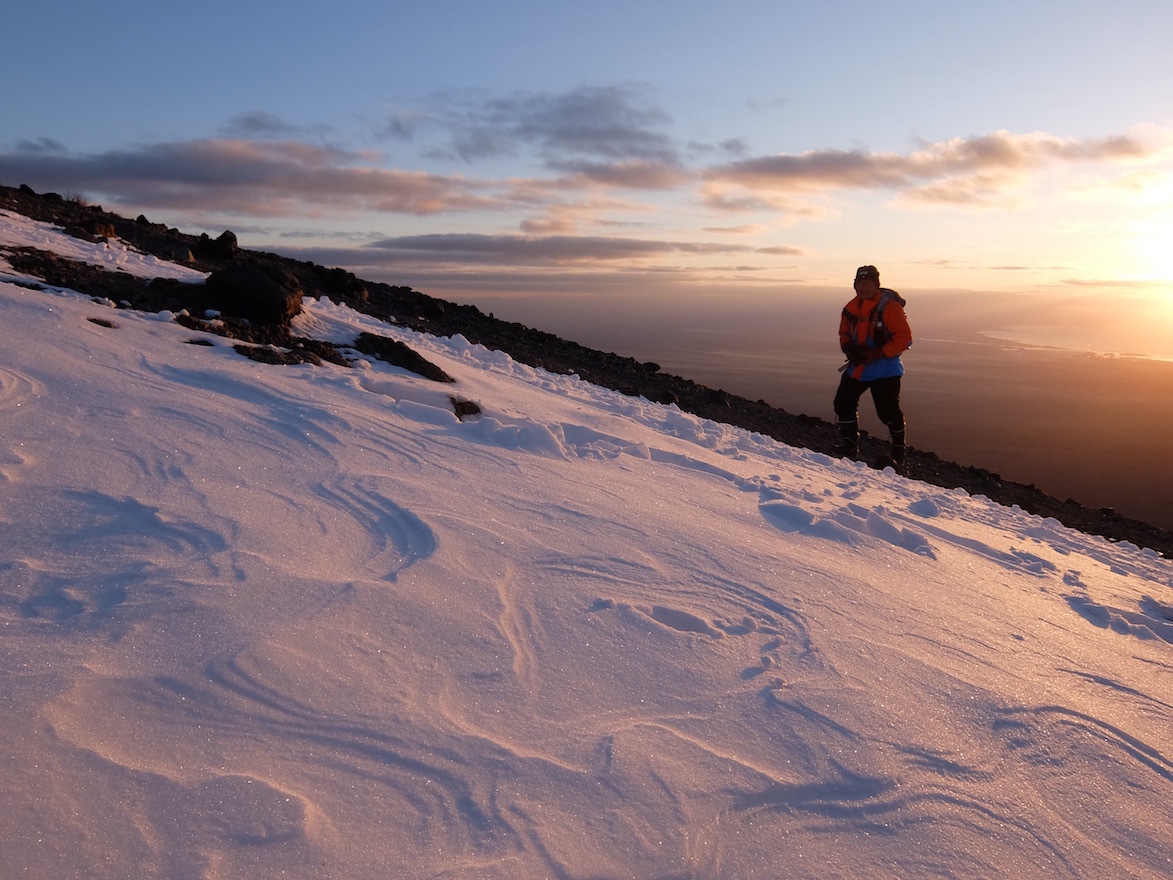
{"x": 883, "y": 338}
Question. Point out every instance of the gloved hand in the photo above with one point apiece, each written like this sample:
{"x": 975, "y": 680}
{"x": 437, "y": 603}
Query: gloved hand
{"x": 855, "y": 352}
{"x": 859, "y": 354}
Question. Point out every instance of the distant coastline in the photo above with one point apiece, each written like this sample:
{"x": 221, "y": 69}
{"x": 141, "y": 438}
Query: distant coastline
{"x": 1036, "y": 337}
{"x": 1085, "y": 426}
{"x": 1094, "y": 426}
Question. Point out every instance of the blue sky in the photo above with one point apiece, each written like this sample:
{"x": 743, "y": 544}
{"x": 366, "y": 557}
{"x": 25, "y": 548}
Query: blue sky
{"x": 638, "y": 147}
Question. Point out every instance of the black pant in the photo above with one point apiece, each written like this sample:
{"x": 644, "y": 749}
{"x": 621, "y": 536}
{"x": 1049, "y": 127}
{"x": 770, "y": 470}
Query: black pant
{"x": 885, "y": 395}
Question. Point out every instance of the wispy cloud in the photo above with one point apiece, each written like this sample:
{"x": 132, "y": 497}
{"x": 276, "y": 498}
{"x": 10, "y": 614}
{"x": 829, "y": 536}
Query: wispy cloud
{"x": 608, "y": 122}
{"x": 40, "y": 146}
{"x": 542, "y": 250}
{"x": 251, "y": 178}
{"x": 599, "y": 135}
{"x": 532, "y": 262}
{"x": 578, "y": 143}
{"x": 782, "y": 250}
{"x": 585, "y": 161}
{"x": 567, "y": 268}
{"x": 630, "y": 175}
{"x": 259, "y": 124}
{"x": 969, "y": 170}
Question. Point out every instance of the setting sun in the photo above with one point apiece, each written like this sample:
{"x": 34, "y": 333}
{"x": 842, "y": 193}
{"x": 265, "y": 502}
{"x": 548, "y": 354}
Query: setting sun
{"x": 1153, "y": 251}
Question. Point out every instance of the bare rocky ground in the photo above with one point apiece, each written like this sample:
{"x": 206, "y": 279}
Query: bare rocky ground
{"x": 257, "y": 293}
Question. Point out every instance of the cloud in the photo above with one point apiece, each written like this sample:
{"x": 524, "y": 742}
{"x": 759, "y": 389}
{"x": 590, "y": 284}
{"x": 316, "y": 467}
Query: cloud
{"x": 598, "y": 155}
{"x": 609, "y": 122}
{"x": 567, "y": 216}
{"x": 734, "y": 146}
{"x": 973, "y": 189}
{"x": 813, "y": 170}
{"x": 959, "y": 170}
{"x": 729, "y": 198}
{"x": 784, "y": 250}
{"x": 634, "y": 175}
{"x": 746, "y": 229}
{"x": 607, "y": 135}
{"x": 258, "y": 123}
{"x": 262, "y": 179}
{"x": 582, "y": 142}
{"x": 479, "y": 249}
{"x": 1136, "y": 284}
{"x": 40, "y": 146}
{"x": 402, "y": 125}
{"x": 565, "y": 265}
{"x": 549, "y": 264}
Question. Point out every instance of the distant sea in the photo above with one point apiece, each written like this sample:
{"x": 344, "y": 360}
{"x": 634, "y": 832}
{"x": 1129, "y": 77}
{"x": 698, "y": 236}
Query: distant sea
{"x": 1040, "y": 389}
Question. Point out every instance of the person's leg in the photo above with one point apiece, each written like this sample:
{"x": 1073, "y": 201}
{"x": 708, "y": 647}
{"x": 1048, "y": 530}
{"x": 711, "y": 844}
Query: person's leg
{"x": 847, "y": 414}
{"x": 886, "y": 395}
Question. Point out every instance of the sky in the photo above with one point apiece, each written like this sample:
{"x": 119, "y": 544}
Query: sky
{"x": 262, "y": 620}
{"x": 649, "y": 150}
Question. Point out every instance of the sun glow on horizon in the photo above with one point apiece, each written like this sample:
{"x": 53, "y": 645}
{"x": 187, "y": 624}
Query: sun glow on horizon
{"x": 1152, "y": 248}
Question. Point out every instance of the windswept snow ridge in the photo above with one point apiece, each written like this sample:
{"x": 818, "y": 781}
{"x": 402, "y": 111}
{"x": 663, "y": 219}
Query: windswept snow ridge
{"x": 113, "y": 255}
{"x": 304, "y": 621}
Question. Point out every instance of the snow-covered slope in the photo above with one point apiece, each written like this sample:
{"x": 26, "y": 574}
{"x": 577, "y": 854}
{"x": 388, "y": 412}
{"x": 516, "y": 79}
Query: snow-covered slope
{"x": 262, "y": 621}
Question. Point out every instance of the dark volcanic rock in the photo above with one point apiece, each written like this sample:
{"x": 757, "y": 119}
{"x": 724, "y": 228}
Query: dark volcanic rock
{"x": 223, "y": 247}
{"x": 393, "y": 351}
{"x": 265, "y": 293}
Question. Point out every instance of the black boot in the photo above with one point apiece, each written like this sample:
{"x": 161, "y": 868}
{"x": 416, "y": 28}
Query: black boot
{"x": 848, "y": 445}
{"x": 898, "y": 448}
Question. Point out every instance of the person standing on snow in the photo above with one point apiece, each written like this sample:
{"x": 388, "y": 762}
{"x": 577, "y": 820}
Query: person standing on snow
{"x": 873, "y": 332}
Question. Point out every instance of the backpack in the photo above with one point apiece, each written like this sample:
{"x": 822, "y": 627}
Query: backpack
{"x": 878, "y": 334}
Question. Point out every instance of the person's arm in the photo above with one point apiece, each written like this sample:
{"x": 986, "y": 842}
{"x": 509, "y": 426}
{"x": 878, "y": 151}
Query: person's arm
{"x": 844, "y": 333}
{"x": 899, "y": 333}
{"x": 847, "y": 342}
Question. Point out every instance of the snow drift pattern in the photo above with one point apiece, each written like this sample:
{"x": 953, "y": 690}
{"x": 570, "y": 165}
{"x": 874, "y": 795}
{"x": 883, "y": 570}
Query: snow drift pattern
{"x": 265, "y": 621}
